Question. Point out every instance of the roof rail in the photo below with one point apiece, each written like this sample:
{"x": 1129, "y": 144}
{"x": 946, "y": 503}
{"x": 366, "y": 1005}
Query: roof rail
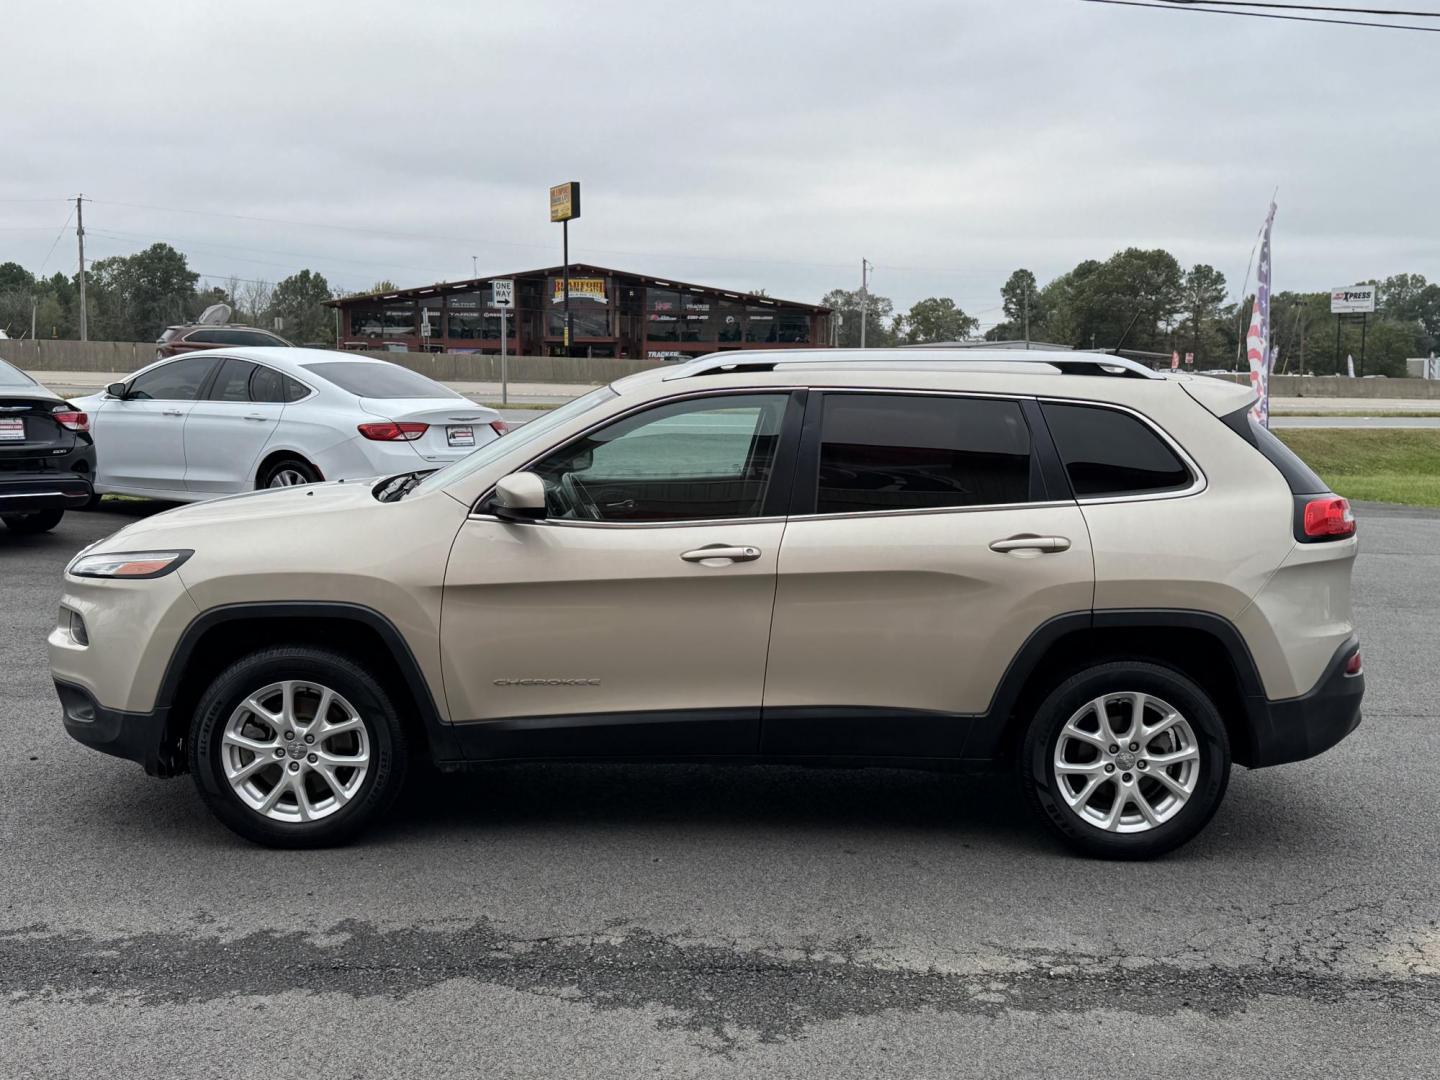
{"x": 1067, "y": 363}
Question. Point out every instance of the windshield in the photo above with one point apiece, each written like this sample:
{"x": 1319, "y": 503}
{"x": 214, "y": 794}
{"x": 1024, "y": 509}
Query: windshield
{"x": 532, "y": 432}
{"x": 382, "y": 380}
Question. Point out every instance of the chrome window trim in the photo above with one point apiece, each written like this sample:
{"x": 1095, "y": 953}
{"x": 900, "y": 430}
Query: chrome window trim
{"x": 1199, "y": 482}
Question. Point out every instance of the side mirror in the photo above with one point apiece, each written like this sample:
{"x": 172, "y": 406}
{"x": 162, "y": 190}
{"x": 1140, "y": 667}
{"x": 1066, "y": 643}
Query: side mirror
{"x": 519, "y": 497}
{"x": 116, "y": 389}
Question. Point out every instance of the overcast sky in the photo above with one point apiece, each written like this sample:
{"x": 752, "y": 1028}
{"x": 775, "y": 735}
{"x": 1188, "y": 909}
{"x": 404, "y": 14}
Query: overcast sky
{"x": 752, "y": 145}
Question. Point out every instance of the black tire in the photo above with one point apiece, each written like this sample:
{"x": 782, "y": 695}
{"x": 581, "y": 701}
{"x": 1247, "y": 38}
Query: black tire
{"x": 374, "y": 794}
{"x": 288, "y": 466}
{"x": 93, "y": 503}
{"x": 1041, "y": 784}
{"x": 30, "y": 524}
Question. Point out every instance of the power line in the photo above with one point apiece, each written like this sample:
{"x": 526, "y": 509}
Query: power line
{"x": 1309, "y": 7}
{"x": 59, "y": 234}
{"x": 1166, "y": 5}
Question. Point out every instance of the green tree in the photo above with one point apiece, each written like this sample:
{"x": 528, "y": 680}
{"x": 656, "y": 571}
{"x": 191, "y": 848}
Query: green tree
{"x": 299, "y": 300}
{"x": 1133, "y": 296}
{"x": 880, "y": 318}
{"x": 1020, "y": 297}
{"x": 935, "y": 319}
{"x": 1200, "y": 330}
{"x": 137, "y": 296}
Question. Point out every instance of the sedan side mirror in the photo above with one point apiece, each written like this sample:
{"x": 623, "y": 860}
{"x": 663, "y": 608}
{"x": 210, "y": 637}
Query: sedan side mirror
{"x": 519, "y": 497}
{"x": 116, "y": 389}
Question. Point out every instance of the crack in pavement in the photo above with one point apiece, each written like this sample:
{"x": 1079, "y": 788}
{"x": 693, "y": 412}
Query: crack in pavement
{"x": 715, "y": 991}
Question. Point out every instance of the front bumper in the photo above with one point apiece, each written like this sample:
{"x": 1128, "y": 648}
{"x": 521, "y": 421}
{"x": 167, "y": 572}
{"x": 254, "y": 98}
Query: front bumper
{"x": 1297, "y": 728}
{"x": 139, "y": 737}
{"x": 24, "y": 496}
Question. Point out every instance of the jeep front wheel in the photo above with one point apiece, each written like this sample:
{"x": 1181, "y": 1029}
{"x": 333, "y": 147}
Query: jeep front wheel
{"x": 1126, "y": 760}
{"x": 297, "y": 747}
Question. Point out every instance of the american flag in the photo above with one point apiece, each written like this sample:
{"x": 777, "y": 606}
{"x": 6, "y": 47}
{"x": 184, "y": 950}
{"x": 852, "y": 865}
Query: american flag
{"x": 1257, "y": 341}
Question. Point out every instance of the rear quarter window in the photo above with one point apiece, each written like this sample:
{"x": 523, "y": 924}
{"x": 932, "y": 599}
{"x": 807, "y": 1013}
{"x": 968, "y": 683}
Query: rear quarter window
{"x": 1112, "y": 453}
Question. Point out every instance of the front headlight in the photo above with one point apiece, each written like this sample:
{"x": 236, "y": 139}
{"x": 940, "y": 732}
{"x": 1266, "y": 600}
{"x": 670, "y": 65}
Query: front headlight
{"x": 129, "y": 564}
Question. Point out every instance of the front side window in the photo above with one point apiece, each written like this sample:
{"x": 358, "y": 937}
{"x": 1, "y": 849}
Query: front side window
{"x": 1111, "y": 453}
{"x": 179, "y": 380}
{"x": 913, "y": 452}
{"x": 694, "y": 460}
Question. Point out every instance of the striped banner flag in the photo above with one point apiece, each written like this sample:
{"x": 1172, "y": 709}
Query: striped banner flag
{"x": 1257, "y": 341}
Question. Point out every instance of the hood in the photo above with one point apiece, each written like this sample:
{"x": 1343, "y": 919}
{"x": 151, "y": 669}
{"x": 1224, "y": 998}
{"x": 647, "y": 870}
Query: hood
{"x": 260, "y": 509}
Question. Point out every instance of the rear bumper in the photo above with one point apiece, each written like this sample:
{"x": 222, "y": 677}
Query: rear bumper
{"x": 139, "y": 737}
{"x": 1298, "y": 728}
{"x": 22, "y": 496}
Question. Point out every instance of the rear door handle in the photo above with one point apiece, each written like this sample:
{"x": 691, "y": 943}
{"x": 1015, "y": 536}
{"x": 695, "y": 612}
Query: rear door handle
{"x": 1031, "y": 542}
{"x": 262, "y": 419}
{"x": 171, "y": 412}
{"x": 722, "y": 551}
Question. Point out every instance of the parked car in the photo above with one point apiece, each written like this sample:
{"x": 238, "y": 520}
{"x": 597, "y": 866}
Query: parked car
{"x": 47, "y": 459}
{"x": 195, "y": 336}
{"x": 1110, "y": 581}
{"x": 216, "y": 423}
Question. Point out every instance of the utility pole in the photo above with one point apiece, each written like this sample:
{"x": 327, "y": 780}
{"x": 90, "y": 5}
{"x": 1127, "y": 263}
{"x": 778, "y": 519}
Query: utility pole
{"x": 864, "y": 298}
{"x": 80, "y": 236}
{"x": 1027, "y": 316}
{"x": 474, "y": 266}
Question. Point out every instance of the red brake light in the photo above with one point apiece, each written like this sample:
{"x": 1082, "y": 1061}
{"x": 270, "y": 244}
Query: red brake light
{"x": 389, "y": 431}
{"x": 500, "y": 427}
{"x": 1354, "y": 666}
{"x": 1330, "y": 516}
{"x": 74, "y": 421}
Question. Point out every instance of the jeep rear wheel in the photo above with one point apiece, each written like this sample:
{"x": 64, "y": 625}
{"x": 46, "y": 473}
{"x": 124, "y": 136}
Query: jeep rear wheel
{"x": 1126, "y": 760}
{"x": 297, "y": 747}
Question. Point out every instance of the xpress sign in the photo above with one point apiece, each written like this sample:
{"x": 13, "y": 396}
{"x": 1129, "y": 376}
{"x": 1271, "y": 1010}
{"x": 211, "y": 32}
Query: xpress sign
{"x": 1354, "y": 300}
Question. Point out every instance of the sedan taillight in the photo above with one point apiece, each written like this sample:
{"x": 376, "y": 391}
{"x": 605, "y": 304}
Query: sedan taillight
{"x": 71, "y": 420}
{"x": 389, "y": 431}
{"x": 1329, "y": 518}
{"x": 500, "y": 427}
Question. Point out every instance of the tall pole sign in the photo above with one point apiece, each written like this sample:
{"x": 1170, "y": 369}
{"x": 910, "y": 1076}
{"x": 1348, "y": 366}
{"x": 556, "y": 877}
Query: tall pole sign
{"x": 502, "y": 296}
{"x": 564, "y": 205}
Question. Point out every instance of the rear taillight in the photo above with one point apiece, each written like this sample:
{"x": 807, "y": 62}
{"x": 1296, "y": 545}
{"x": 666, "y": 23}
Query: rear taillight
{"x": 1329, "y": 518}
{"x": 389, "y": 431}
{"x": 73, "y": 421}
{"x": 500, "y": 427}
{"x": 1354, "y": 666}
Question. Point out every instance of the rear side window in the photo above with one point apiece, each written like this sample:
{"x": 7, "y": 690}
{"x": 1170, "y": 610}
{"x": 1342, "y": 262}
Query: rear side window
{"x": 379, "y": 380}
{"x": 269, "y": 385}
{"x": 912, "y": 452}
{"x": 1107, "y": 452}
{"x": 207, "y": 337}
{"x": 233, "y": 382}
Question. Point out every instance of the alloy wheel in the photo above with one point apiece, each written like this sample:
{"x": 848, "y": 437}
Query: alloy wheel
{"x": 288, "y": 478}
{"x": 1126, "y": 762}
{"x": 295, "y": 751}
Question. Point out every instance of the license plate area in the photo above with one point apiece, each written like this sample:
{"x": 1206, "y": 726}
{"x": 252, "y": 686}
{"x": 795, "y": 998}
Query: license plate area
{"x": 12, "y": 429}
{"x": 463, "y": 435}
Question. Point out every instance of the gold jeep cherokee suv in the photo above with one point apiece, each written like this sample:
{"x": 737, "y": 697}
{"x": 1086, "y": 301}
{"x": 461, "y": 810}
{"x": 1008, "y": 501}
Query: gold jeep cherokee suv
{"x": 1111, "y": 581}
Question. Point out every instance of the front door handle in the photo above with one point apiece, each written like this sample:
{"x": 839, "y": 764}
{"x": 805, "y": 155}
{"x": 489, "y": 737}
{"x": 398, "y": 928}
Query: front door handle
{"x": 262, "y": 419}
{"x": 171, "y": 412}
{"x": 722, "y": 551}
{"x": 1031, "y": 542}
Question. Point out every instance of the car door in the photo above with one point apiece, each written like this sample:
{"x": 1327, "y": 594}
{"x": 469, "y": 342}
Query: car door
{"x": 634, "y": 619}
{"x": 140, "y": 438}
{"x": 227, "y": 430}
{"x": 930, "y": 539}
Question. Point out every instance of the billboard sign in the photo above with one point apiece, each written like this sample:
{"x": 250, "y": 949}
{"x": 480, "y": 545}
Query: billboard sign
{"x": 565, "y": 201}
{"x": 1354, "y": 300}
{"x": 581, "y": 288}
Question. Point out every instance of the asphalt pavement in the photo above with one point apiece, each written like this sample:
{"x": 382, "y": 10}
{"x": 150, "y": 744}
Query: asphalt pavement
{"x": 609, "y": 921}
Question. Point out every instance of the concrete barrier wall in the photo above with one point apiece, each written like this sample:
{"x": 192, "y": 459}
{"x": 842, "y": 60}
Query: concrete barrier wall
{"x": 123, "y": 357}
{"x": 1330, "y": 386}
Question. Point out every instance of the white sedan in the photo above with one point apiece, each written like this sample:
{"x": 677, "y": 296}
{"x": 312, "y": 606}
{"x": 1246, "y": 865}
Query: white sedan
{"x": 212, "y": 423}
